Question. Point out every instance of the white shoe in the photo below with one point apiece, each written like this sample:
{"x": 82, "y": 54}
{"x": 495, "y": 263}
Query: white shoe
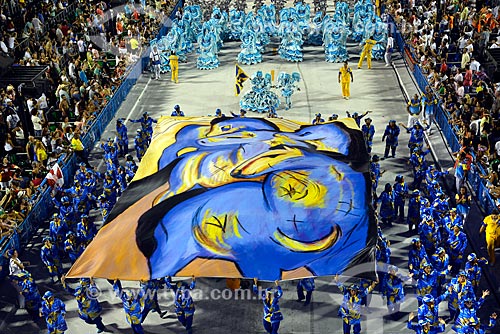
{"x": 386, "y": 65}
{"x": 347, "y": 97}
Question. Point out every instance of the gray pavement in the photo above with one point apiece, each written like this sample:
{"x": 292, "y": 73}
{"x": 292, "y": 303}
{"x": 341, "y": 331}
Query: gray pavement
{"x": 200, "y": 93}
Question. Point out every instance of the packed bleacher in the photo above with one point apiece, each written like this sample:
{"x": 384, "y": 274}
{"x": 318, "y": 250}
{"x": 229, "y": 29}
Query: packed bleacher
{"x": 84, "y": 50}
{"x": 455, "y": 47}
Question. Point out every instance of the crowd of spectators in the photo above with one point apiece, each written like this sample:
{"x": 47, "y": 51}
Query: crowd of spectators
{"x": 86, "y": 49}
{"x": 450, "y": 45}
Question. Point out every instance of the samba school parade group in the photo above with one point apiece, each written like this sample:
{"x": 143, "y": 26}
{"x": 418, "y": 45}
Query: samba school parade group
{"x": 289, "y": 28}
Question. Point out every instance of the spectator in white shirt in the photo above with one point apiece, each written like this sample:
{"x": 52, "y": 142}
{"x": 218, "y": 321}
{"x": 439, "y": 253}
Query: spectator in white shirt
{"x": 458, "y": 76}
{"x": 37, "y": 123}
{"x": 37, "y": 26}
{"x": 389, "y": 49}
{"x": 474, "y": 65}
{"x": 460, "y": 89}
{"x": 497, "y": 147}
{"x": 3, "y": 47}
{"x": 11, "y": 42}
{"x": 16, "y": 267}
{"x": 470, "y": 46}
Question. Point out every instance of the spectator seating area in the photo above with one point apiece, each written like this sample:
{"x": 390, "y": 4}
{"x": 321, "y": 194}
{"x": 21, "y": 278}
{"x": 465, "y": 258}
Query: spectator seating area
{"x": 84, "y": 81}
{"x": 452, "y": 63}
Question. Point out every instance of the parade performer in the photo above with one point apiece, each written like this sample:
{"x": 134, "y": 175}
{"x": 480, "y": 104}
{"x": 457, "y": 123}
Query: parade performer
{"x": 345, "y": 79}
{"x": 272, "y": 313}
{"x": 391, "y": 136}
{"x": 414, "y": 110}
{"x": 367, "y": 53}
{"x": 50, "y": 257}
{"x": 207, "y": 45}
{"x": 132, "y": 305}
{"x": 473, "y": 269}
{"x": 400, "y": 189}
{"x": 491, "y": 225}
{"x": 184, "y": 305}
{"x": 424, "y": 326}
{"x": 89, "y": 308}
{"x": 413, "y": 217}
{"x": 392, "y": 289}
{"x": 459, "y": 288}
{"x": 260, "y": 99}
{"x": 290, "y": 48}
{"x": 249, "y": 53}
{"x": 350, "y": 310}
{"x": 335, "y": 34}
{"x": 308, "y": 285}
{"x": 368, "y": 130}
{"x": 53, "y": 310}
{"x": 122, "y": 137}
{"x": 417, "y": 257}
{"x": 174, "y": 66}
{"x": 288, "y": 85}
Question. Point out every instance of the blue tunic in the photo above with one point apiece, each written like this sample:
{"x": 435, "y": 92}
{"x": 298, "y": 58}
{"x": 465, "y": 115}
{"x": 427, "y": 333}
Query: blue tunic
{"x": 350, "y": 310}
{"x": 54, "y": 316}
{"x": 386, "y": 200}
{"x": 391, "y": 135}
{"x": 271, "y": 308}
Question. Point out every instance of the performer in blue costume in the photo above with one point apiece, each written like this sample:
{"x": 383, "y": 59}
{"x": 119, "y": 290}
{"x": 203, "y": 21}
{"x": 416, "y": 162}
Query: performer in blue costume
{"x": 174, "y": 41}
{"x": 184, "y": 305}
{"x": 53, "y": 310}
{"x": 207, "y": 44}
{"x": 192, "y": 14}
{"x": 122, "y": 137}
{"x": 268, "y": 15}
{"x": 350, "y": 310}
{"x": 304, "y": 16}
{"x": 335, "y": 34}
{"x": 191, "y": 26}
{"x": 392, "y": 289}
{"x": 260, "y": 98}
{"x": 236, "y": 20}
{"x": 272, "y": 313}
{"x": 315, "y": 36}
{"x": 290, "y": 47}
{"x": 50, "y": 257}
{"x": 308, "y": 285}
{"x": 259, "y": 26}
{"x": 380, "y": 36}
{"x": 288, "y": 85}
{"x": 249, "y": 53}
{"x": 342, "y": 10}
{"x": 362, "y": 15}
{"x": 219, "y": 19}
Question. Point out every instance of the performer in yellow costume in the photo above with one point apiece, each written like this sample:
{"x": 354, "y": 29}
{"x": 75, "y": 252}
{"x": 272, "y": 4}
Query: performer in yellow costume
{"x": 491, "y": 224}
{"x": 345, "y": 78}
{"x": 367, "y": 52}
{"x": 174, "y": 66}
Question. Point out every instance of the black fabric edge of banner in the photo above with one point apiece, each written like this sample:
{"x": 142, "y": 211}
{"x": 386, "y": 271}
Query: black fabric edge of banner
{"x": 144, "y": 234}
{"x": 137, "y": 190}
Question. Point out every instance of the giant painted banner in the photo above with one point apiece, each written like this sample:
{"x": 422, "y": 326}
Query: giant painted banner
{"x": 240, "y": 197}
